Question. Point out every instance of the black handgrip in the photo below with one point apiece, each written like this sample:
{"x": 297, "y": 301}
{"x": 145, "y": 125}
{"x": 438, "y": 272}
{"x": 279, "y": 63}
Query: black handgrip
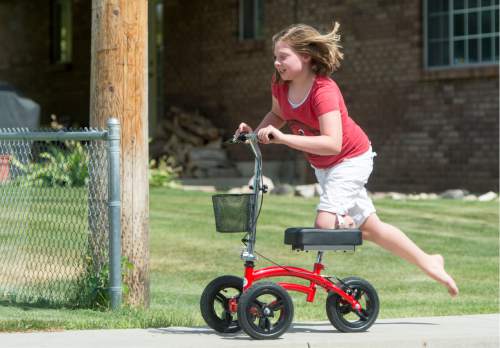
{"x": 242, "y": 137}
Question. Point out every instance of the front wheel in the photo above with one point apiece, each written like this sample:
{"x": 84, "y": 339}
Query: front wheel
{"x": 215, "y": 303}
{"x": 265, "y": 311}
{"x": 340, "y": 313}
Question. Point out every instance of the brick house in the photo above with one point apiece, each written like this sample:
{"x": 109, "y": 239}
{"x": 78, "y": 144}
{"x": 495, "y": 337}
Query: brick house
{"x": 421, "y": 77}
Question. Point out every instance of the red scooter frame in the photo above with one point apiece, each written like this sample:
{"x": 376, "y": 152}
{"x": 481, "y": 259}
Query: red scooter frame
{"x": 314, "y": 277}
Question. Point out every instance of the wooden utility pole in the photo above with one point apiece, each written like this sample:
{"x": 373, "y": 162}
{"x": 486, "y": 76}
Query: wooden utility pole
{"x": 119, "y": 88}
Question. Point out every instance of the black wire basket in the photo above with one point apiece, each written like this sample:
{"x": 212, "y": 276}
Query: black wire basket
{"x": 233, "y": 212}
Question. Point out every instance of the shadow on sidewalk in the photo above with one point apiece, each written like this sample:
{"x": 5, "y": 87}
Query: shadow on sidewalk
{"x": 295, "y": 328}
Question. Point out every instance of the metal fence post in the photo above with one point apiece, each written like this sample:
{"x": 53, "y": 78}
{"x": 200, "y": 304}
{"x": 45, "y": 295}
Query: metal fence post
{"x": 114, "y": 213}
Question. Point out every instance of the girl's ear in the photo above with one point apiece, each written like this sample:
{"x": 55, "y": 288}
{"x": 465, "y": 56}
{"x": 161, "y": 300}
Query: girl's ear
{"x": 306, "y": 58}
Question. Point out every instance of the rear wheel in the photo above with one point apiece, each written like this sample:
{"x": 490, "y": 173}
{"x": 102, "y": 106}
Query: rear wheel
{"x": 215, "y": 303}
{"x": 265, "y": 310}
{"x": 343, "y": 316}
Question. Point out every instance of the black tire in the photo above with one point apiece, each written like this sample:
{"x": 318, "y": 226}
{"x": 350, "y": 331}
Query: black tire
{"x": 214, "y": 303}
{"x": 341, "y": 314}
{"x": 265, "y": 311}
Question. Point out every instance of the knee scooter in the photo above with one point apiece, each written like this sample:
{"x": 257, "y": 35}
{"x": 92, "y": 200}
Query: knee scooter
{"x": 264, "y": 309}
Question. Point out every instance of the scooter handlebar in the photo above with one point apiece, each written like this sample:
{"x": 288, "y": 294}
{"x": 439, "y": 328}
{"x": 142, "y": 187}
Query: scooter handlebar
{"x": 242, "y": 137}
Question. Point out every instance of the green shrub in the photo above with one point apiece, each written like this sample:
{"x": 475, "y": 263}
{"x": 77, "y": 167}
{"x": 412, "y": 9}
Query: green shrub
{"x": 94, "y": 286}
{"x": 163, "y": 173}
{"x": 58, "y": 166}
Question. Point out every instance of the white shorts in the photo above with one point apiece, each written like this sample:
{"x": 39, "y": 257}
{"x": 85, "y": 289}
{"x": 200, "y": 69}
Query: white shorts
{"x": 343, "y": 189}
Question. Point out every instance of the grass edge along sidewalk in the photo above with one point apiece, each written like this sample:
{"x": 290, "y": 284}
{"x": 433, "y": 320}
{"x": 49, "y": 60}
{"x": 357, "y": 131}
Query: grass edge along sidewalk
{"x": 187, "y": 253}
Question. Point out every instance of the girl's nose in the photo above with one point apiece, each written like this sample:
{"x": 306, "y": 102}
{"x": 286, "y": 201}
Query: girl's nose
{"x": 276, "y": 64}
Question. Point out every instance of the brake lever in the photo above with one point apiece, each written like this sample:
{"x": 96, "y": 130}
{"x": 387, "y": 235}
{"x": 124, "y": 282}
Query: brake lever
{"x": 232, "y": 140}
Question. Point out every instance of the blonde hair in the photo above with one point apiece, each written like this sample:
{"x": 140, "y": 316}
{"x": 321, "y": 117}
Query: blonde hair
{"x": 324, "y": 50}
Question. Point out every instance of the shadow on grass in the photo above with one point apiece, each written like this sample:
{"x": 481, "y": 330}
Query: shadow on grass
{"x": 26, "y": 306}
{"x": 41, "y": 304}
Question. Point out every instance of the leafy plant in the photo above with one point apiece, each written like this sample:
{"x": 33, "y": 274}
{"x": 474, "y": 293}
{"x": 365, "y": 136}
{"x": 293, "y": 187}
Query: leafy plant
{"x": 66, "y": 166}
{"x": 98, "y": 283}
{"x": 163, "y": 173}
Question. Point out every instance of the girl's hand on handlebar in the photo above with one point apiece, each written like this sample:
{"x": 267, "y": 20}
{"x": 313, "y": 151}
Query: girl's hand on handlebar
{"x": 270, "y": 135}
{"x": 243, "y": 128}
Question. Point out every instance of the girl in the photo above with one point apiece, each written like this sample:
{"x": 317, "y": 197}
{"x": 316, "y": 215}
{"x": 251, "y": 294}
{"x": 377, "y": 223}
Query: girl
{"x": 305, "y": 97}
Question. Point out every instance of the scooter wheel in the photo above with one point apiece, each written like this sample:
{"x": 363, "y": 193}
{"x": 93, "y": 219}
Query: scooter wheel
{"x": 215, "y": 303}
{"x": 265, "y": 311}
{"x": 340, "y": 312}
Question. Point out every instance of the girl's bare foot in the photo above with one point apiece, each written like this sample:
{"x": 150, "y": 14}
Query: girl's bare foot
{"x": 435, "y": 269}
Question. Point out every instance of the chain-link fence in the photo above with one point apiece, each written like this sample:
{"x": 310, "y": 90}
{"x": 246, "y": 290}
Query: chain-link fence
{"x": 54, "y": 219}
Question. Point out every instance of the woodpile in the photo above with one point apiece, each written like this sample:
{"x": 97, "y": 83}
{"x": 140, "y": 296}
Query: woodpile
{"x": 193, "y": 142}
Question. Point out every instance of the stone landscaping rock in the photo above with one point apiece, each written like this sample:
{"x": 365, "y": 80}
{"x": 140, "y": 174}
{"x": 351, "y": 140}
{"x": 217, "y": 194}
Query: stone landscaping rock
{"x": 266, "y": 181}
{"x": 306, "y": 191}
{"x": 454, "y": 194}
{"x": 318, "y": 191}
{"x": 377, "y": 195}
{"x": 470, "y": 198}
{"x": 422, "y": 196}
{"x": 239, "y": 190}
{"x": 490, "y": 196}
{"x": 201, "y": 188}
{"x": 314, "y": 190}
{"x": 397, "y": 196}
{"x": 283, "y": 190}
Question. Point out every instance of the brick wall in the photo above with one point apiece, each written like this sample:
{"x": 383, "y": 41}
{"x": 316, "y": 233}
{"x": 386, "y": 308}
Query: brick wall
{"x": 25, "y": 59}
{"x": 207, "y": 67}
{"x": 432, "y": 131}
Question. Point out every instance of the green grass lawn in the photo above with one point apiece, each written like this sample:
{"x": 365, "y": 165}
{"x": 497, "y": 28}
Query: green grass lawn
{"x": 187, "y": 253}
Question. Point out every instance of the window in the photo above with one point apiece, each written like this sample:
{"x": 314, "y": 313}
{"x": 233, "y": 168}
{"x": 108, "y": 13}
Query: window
{"x": 62, "y": 31}
{"x": 461, "y": 33}
{"x": 251, "y": 19}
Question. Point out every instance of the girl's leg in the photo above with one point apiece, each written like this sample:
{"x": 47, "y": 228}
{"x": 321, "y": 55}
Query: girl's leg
{"x": 394, "y": 240}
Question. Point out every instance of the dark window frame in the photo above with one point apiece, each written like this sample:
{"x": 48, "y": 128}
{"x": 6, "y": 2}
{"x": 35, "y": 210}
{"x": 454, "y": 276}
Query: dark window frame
{"x": 61, "y": 33}
{"x": 250, "y": 23}
{"x": 449, "y": 40}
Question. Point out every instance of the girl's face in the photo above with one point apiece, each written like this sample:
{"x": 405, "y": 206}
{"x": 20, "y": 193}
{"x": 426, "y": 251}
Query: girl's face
{"x": 289, "y": 63}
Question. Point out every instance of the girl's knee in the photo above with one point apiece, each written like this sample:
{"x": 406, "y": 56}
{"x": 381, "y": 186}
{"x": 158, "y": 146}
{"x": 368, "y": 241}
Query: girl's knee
{"x": 325, "y": 220}
{"x": 324, "y": 224}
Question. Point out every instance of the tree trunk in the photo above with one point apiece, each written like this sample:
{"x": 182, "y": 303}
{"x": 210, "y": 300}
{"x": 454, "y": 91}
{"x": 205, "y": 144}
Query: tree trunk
{"x": 119, "y": 89}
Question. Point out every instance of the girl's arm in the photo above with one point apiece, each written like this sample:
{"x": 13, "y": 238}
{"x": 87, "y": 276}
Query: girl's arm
{"x": 328, "y": 143}
{"x": 273, "y": 118}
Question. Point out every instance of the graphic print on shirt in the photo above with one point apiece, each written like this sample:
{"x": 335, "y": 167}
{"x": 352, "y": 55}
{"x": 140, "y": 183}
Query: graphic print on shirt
{"x": 299, "y": 128}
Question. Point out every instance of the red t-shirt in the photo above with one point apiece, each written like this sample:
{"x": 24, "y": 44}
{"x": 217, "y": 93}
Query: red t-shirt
{"x": 323, "y": 97}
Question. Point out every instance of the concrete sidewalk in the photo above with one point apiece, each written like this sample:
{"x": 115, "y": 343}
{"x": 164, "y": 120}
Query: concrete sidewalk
{"x": 457, "y": 331}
